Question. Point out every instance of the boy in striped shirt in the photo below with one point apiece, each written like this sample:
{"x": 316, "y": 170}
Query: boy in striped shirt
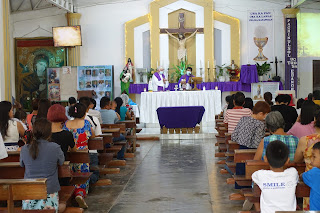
{"x": 233, "y": 116}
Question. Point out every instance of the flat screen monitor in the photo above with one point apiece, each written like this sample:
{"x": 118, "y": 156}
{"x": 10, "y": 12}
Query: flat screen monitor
{"x": 67, "y": 36}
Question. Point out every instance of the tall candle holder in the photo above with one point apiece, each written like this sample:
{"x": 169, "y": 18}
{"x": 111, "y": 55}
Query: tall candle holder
{"x": 201, "y": 73}
{"x": 208, "y": 74}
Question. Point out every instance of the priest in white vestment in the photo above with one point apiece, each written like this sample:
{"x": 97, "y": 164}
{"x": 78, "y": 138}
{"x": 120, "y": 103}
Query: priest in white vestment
{"x": 159, "y": 81}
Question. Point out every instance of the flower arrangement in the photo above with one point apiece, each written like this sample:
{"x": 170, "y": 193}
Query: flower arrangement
{"x": 234, "y": 72}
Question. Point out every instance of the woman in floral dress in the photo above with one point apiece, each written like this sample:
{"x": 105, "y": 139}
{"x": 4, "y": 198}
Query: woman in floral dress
{"x": 81, "y": 130}
{"x": 304, "y": 152}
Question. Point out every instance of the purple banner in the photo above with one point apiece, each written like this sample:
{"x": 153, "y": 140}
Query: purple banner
{"x": 291, "y": 54}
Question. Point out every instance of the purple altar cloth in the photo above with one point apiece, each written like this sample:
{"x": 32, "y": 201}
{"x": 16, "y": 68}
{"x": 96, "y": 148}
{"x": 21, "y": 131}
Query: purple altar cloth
{"x": 249, "y": 74}
{"x": 223, "y": 86}
{"x": 180, "y": 117}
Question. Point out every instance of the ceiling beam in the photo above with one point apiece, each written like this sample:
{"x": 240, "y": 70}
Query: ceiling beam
{"x": 297, "y": 3}
{"x": 20, "y": 5}
{"x": 37, "y": 4}
{"x": 31, "y": 4}
{"x": 63, "y": 4}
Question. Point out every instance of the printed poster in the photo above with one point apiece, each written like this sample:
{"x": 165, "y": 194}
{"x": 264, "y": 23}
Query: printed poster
{"x": 53, "y": 84}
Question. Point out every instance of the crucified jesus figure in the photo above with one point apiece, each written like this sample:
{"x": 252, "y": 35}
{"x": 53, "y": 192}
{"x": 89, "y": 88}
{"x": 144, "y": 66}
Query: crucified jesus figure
{"x": 182, "y": 51}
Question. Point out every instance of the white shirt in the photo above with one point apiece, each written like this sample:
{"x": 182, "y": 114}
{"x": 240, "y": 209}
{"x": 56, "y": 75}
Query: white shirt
{"x": 278, "y": 189}
{"x": 95, "y": 113}
{"x": 23, "y": 125}
{"x": 96, "y": 129}
{"x": 3, "y": 151}
{"x": 156, "y": 83}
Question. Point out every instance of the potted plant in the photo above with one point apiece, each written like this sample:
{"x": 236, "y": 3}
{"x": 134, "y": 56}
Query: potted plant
{"x": 263, "y": 69}
{"x": 179, "y": 71}
{"x": 220, "y": 73}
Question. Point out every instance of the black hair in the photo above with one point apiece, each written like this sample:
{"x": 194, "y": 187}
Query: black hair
{"x": 105, "y": 101}
{"x": 277, "y": 154}
{"x": 78, "y": 110}
{"x": 85, "y": 101}
{"x": 316, "y": 146}
{"x": 287, "y": 98}
{"x": 248, "y": 103}
{"x": 35, "y": 104}
{"x": 280, "y": 98}
{"x": 268, "y": 98}
{"x": 190, "y": 68}
{"x": 229, "y": 100}
{"x": 308, "y": 110}
{"x": 239, "y": 99}
{"x": 300, "y": 102}
{"x": 44, "y": 105}
{"x": 119, "y": 102}
{"x": 310, "y": 96}
{"x": 93, "y": 102}
{"x": 317, "y": 116}
{"x": 20, "y": 114}
{"x": 316, "y": 95}
{"x": 41, "y": 130}
{"x": 5, "y": 107}
{"x": 72, "y": 100}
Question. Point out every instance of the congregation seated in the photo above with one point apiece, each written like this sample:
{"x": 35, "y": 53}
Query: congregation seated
{"x": 122, "y": 110}
{"x": 71, "y": 102}
{"x": 305, "y": 123}
{"x": 82, "y": 131}
{"x": 278, "y": 185}
{"x": 21, "y": 116}
{"x": 10, "y": 130}
{"x": 288, "y": 113}
{"x": 31, "y": 117}
{"x": 92, "y": 111}
{"x": 299, "y": 105}
{"x": 108, "y": 115}
{"x": 248, "y": 103}
{"x": 233, "y": 116}
{"x": 41, "y": 159}
{"x": 275, "y": 124}
{"x": 251, "y": 129}
{"x": 44, "y": 105}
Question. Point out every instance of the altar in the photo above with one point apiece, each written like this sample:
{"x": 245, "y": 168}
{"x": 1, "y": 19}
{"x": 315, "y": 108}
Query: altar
{"x": 151, "y": 101}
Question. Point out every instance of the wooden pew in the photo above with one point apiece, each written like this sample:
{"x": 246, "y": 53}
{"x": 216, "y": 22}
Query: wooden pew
{"x": 22, "y": 189}
{"x": 115, "y": 131}
{"x": 132, "y": 137}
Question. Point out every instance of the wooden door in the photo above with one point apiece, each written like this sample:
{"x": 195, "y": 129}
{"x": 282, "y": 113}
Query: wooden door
{"x": 316, "y": 75}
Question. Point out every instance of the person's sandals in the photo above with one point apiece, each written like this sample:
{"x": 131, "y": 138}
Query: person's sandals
{"x": 81, "y": 202}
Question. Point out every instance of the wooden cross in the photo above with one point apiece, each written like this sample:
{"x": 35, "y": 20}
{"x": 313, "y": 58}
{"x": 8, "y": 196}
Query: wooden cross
{"x": 181, "y": 29}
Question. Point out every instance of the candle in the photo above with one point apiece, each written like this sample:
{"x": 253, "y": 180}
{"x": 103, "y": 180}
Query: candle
{"x": 216, "y": 88}
{"x": 208, "y": 64}
{"x": 232, "y": 66}
{"x": 200, "y": 64}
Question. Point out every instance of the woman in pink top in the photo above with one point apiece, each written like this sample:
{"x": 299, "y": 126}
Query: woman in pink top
{"x": 305, "y": 122}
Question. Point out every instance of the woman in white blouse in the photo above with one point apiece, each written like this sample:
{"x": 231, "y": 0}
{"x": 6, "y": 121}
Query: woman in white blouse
{"x": 10, "y": 130}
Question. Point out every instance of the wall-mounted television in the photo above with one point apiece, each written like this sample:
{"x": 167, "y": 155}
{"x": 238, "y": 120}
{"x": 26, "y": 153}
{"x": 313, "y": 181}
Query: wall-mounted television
{"x": 67, "y": 36}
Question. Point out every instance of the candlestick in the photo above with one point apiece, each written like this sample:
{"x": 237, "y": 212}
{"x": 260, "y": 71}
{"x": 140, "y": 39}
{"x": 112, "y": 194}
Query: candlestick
{"x": 200, "y": 64}
{"x": 208, "y": 74}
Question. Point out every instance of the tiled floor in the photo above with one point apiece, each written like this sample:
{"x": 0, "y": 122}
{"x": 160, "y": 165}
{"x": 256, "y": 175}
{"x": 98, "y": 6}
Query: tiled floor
{"x": 167, "y": 176}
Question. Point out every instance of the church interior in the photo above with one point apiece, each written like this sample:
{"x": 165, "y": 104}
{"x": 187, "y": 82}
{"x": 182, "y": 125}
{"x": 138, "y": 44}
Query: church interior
{"x": 159, "y": 106}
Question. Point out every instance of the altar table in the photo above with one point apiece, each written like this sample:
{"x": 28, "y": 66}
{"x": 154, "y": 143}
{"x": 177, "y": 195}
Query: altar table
{"x": 151, "y": 101}
{"x": 180, "y": 117}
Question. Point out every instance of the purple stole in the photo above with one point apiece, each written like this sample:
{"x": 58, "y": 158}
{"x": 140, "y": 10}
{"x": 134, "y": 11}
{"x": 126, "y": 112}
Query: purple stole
{"x": 185, "y": 76}
{"x": 159, "y": 79}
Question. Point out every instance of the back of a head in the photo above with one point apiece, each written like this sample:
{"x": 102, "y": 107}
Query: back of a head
{"x": 78, "y": 110}
{"x": 20, "y": 114}
{"x": 261, "y": 106}
{"x": 239, "y": 99}
{"x": 119, "y": 102}
{"x": 35, "y": 104}
{"x": 105, "y": 101}
{"x": 310, "y": 97}
{"x": 41, "y": 129}
{"x": 248, "y": 103}
{"x": 280, "y": 98}
{"x": 274, "y": 121}
{"x": 277, "y": 154}
{"x": 287, "y": 98}
{"x": 5, "y": 107}
{"x": 316, "y": 95}
{"x": 317, "y": 117}
{"x": 44, "y": 105}
{"x": 307, "y": 114}
{"x": 57, "y": 114}
{"x": 300, "y": 102}
{"x": 72, "y": 100}
{"x": 268, "y": 97}
{"x": 316, "y": 146}
{"x": 85, "y": 101}
{"x": 125, "y": 99}
{"x": 229, "y": 100}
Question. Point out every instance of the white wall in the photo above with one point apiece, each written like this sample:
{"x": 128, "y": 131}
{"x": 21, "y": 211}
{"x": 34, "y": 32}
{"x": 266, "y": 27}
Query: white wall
{"x": 103, "y": 28}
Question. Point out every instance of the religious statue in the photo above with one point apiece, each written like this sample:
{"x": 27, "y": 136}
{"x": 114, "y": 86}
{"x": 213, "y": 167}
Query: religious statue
{"x": 130, "y": 67}
{"x": 182, "y": 51}
{"x": 125, "y": 78}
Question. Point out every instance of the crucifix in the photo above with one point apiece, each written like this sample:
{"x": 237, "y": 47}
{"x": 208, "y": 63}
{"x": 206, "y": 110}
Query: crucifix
{"x": 181, "y": 36}
{"x": 276, "y": 78}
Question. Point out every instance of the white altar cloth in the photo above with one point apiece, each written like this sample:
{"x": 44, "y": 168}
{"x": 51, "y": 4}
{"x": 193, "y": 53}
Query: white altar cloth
{"x": 151, "y": 101}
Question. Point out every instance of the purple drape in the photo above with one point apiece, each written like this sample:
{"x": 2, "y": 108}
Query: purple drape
{"x": 249, "y": 74}
{"x": 180, "y": 117}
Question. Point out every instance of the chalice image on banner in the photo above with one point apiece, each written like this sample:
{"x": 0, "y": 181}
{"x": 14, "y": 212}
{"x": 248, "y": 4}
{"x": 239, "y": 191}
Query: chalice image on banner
{"x": 260, "y": 40}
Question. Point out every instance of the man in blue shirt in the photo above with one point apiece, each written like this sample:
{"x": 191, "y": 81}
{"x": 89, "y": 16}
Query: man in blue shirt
{"x": 311, "y": 178}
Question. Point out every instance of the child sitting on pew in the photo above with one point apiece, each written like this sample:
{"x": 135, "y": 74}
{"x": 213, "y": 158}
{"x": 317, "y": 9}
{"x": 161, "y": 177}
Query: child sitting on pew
{"x": 278, "y": 186}
{"x": 311, "y": 178}
{"x": 82, "y": 131}
{"x": 40, "y": 159}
